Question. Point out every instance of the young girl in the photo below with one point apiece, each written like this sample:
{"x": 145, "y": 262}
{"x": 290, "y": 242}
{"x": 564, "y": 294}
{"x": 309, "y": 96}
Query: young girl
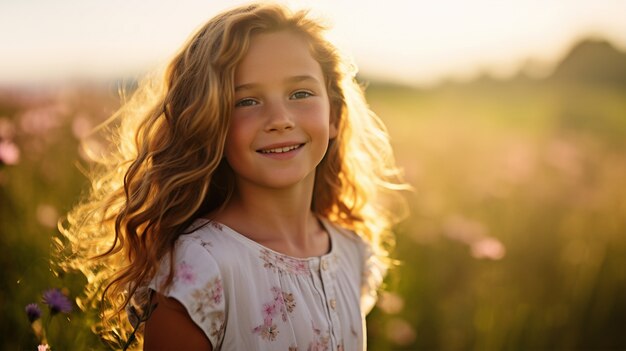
{"x": 248, "y": 202}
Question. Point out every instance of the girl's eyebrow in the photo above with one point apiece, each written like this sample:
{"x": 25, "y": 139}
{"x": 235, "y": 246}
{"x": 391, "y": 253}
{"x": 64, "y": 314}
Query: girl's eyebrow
{"x": 293, "y": 79}
{"x": 298, "y": 79}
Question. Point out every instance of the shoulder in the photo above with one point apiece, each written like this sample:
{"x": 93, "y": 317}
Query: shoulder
{"x": 197, "y": 281}
{"x": 202, "y": 232}
{"x": 360, "y": 252}
{"x": 346, "y": 240}
{"x": 193, "y": 264}
{"x": 206, "y": 238}
{"x": 193, "y": 248}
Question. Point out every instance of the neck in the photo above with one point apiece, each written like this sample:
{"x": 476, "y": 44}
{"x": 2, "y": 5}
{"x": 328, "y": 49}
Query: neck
{"x": 285, "y": 210}
{"x": 278, "y": 218}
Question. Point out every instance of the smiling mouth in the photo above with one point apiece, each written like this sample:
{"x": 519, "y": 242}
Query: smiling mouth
{"x": 280, "y": 150}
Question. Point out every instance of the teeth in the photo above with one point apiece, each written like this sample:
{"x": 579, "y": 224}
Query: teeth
{"x": 279, "y": 150}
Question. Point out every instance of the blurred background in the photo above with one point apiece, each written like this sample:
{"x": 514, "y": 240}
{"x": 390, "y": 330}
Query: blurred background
{"x": 509, "y": 119}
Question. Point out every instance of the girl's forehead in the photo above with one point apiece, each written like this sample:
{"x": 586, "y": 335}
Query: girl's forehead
{"x": 281, "y": 42}
{"x": 277, "y": 55}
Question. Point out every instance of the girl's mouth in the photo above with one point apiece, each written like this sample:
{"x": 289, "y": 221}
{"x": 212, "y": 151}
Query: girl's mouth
{"x": 280, "y": 150}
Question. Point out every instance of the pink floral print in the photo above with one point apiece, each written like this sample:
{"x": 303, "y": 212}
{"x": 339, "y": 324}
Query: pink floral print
{"x": 206, "y": 298}
{"x": 289, "y": 314}
{"x": 267, "y": 331}
{"x": 269, "y": 310}
{"x": 321, "y": 342}
{"x": 185, "y": 273}
{"x": 282, "y": 263}
{"x": 288, "y": 299}
{"x": 282, "y": 303}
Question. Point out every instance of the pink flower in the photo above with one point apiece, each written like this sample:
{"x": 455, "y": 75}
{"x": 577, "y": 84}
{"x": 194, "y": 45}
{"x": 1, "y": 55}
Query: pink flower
{"x": 43, "y": 347}
{"x": 186, "y": 273}
{"x": 9, "y": 153}
{"x": 269, "y": 310}
{"x": 490, "y": 248}
{"x": 216, "y": 291}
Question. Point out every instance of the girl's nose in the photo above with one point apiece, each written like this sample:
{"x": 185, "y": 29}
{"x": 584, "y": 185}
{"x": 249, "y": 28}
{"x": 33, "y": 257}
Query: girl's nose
{"x": 279, "y": 117}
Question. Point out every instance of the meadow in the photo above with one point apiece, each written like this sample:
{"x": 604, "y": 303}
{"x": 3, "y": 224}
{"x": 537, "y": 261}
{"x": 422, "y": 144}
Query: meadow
{"x": 516, "y": 238}
{"x": 517, "y": 233}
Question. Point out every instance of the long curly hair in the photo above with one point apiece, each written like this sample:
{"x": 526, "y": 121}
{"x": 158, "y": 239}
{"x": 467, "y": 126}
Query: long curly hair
{"x": 166, "y": 168}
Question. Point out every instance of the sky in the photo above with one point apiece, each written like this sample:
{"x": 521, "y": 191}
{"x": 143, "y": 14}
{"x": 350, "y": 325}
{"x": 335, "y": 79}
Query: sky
{"x": 411, "y": 41}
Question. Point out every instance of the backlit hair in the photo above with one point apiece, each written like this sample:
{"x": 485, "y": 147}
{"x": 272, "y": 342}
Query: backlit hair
{"x": 167, "y": 168}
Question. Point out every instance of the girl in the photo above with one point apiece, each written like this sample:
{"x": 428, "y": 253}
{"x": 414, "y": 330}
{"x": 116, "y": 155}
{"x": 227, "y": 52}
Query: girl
{"x": 246, "y": 206}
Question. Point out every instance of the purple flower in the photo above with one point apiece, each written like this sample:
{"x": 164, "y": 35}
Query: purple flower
{"x": 33, "y": 312}
{"x": 57, "y": 302}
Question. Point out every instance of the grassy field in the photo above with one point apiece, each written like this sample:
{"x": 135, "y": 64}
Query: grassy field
{"x": 516, "y": 238}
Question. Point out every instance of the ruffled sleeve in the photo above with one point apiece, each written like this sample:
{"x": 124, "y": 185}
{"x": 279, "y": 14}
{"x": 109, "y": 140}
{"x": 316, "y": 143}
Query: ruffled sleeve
{"x": 197, "y": 285}
{"x": 372, "y": 277}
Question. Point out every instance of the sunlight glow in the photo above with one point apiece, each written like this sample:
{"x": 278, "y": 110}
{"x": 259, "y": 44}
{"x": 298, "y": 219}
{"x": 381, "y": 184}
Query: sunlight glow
{"x": 410, "y": 41}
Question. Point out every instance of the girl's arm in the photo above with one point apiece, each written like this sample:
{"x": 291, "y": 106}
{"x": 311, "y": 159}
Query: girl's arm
{"x": 170, "y": 328}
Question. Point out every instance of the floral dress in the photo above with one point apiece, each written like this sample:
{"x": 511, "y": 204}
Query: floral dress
{"x": 245, "y": 296}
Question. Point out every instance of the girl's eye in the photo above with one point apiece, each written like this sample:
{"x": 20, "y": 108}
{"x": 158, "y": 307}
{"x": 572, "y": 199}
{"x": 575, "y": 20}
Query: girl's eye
{"x": 301, "y": 95}
{"x": 246, "y": 102}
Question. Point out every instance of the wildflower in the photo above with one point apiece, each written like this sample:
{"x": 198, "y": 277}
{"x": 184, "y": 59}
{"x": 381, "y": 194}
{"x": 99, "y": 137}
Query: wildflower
{"x": 57, "y": 302}
{"x": 490, "y": 248}
{"x": 33, "y": 312}
{"x": 9, "y": 153}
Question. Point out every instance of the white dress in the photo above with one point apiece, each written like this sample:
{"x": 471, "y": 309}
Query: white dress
{"x": 245, "y": 296}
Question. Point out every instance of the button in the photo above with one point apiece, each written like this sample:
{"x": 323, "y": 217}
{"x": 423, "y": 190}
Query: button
{"x": 324, "y": 265}
{"x": 333, "y": 303}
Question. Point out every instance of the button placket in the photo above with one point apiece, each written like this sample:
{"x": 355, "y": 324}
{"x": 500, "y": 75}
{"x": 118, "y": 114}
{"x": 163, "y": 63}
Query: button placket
{"x": 327, "y": 274}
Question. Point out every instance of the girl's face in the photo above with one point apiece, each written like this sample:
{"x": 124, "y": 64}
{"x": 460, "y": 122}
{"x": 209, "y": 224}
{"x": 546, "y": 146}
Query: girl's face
{"x": 280, "y": 126}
